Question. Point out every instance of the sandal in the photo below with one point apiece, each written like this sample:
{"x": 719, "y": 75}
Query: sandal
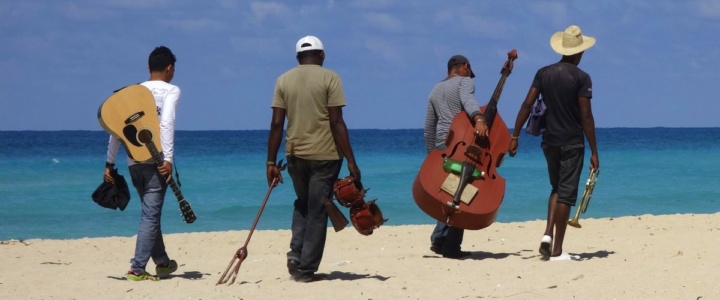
{"x": 141, "y": 277}
{"x": 545, "y": 246}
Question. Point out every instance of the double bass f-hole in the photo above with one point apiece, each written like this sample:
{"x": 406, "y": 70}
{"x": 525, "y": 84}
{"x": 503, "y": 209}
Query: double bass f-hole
{"x": 452, "y": 153}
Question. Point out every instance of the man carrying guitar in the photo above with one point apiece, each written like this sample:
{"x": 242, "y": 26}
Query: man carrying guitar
{"x": 151, "y": 180}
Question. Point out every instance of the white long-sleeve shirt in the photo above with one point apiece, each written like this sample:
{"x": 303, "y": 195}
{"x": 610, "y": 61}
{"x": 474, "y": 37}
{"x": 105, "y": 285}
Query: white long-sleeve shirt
{"x": 166, "y": 100}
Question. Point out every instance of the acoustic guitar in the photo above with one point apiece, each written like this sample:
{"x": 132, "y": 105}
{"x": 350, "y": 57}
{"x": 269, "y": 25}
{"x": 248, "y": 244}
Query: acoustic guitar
{"x": 130, "y": 115}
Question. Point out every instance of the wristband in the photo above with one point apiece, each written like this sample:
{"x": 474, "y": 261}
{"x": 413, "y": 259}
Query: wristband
{"x": 270, "y": 163}
{"x": 513, "y": 137}
{"x": 109, "y": 165}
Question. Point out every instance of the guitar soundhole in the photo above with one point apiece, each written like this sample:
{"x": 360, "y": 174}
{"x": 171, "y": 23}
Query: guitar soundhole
{"x": 145, "y": 136}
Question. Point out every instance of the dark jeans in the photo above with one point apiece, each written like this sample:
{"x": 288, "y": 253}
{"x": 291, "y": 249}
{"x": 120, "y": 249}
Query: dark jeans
{"x": 447, "y": 238}
{"x": 313, "y": 182}
{"x": 151, "y": 187}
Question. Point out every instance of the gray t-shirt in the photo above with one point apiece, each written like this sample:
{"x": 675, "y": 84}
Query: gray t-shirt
{"x": 446, "y": 100}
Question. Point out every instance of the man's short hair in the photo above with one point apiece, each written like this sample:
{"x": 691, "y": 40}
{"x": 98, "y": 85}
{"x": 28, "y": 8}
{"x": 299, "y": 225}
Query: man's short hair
{"x": 308, "y": 54}
{"x": 160, "y": 58}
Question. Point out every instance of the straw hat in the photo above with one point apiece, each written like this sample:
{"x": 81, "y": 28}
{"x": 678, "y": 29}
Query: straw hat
{"x": 571, "y": 41}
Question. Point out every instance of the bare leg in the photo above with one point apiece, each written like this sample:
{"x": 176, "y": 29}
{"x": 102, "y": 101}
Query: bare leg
{"x": 562, "y": 212}
{"x": 545, "y": 250}
{"x": 552, "y": 204}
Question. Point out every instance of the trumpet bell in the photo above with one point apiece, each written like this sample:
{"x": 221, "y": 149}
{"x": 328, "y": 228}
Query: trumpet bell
{"x": 574, "y": 223}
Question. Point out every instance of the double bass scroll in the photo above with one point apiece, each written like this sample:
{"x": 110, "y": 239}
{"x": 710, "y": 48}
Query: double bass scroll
{"x": 460, "y": 184}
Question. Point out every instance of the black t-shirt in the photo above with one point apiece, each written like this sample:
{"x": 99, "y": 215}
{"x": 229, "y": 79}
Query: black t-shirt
{"x": 561, "y": 84}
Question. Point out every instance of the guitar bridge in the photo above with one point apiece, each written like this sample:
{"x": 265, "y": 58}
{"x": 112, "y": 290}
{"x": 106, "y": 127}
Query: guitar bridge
{"x": 134, "y": 117}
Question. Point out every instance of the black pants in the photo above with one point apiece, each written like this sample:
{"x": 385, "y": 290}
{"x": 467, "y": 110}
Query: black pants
{"x": 313, "y": 182}
{"x": 564, "y": 167}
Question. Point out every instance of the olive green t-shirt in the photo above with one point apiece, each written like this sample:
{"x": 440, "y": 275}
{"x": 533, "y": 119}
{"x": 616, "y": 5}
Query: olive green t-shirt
{"x": 306, "y": 92}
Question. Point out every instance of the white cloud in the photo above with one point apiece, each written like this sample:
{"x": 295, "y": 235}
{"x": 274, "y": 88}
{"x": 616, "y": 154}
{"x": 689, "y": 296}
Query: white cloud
{"x": 264, "y": 9}
{"x": 707, "y": 8}
{"x": 137, "y": 4}
{"x": 229, "y": 4}
{"x": 84, "y": 12}
{"x": 383, "y": 21}
{"x": 195, "y": 25}
{"x": 553, "y": 11}
{"x": 373, "y": 4}
{"x": 484, "y": 26}
{"x": 389, "y": 51}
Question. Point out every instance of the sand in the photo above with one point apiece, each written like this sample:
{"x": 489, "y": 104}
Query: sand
{"x": 638, "y": 257}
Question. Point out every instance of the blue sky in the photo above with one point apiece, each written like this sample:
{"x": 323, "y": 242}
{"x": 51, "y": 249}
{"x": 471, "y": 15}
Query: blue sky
{"x": 654, "y": 65}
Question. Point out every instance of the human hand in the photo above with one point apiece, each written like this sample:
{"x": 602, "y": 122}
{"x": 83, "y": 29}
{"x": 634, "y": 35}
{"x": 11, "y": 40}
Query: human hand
{"x": 166, "y": 170}
{"x": 481, "y": 129}
{"x": 512, "y": 149}
{"x": 594, "y": 162}
{"x": 274, "y": 176}
{"x": 355, "y": 173}
{"x": 107, "y": 177}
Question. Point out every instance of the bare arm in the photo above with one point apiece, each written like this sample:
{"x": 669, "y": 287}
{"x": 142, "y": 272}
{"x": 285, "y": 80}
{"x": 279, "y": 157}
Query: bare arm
{"x": 342, "y": 140}
{"x": 588, "y": 125}
{"x": 274, "y": 139}
{"x": 522, "y": 115}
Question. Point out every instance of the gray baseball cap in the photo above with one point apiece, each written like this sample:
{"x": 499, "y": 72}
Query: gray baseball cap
{"x": 460, "y": 60}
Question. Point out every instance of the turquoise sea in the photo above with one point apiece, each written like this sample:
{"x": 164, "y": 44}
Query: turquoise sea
{"x": 47, "y": 177}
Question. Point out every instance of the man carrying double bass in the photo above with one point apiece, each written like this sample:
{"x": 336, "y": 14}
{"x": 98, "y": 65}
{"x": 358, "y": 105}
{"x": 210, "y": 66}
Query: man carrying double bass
{"x": 453, "y": 94}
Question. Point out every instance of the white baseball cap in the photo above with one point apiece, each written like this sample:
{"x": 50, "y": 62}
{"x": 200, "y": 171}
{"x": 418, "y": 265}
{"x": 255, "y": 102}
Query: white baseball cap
{"x": 308, "y": 43}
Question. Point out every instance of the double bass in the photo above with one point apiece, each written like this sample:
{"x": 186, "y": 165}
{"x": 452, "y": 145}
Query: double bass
{"x": 460, "y": 184}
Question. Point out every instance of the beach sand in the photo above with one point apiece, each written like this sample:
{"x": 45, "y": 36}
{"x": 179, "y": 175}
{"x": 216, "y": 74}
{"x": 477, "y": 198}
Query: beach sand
{"x": 638, "y": 257}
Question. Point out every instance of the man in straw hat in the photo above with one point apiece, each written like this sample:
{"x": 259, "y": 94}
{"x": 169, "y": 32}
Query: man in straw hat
{"x": 566, "y": 91}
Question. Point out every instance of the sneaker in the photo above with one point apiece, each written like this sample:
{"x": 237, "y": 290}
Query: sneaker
{"x": 436, "y": 249}
{"x": 292, "y": 265}
{"x": 141, "y": 276}
{"x": 164, "y": 271}
{"x": 564, "y": 256}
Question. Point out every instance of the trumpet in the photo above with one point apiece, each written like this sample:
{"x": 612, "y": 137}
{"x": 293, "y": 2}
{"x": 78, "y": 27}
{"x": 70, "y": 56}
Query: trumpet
{"x": 585, "y": 202}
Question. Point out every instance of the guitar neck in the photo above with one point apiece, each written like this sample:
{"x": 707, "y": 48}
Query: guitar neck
{"x": 159, "y": 162}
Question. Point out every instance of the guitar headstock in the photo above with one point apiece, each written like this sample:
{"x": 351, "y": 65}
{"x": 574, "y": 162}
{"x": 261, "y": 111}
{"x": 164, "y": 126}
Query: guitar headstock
{"x": 187, "y": 212}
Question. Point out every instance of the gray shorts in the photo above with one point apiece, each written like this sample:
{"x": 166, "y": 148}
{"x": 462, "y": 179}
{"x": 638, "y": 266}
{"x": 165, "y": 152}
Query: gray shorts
{"x": 564, "y": 167}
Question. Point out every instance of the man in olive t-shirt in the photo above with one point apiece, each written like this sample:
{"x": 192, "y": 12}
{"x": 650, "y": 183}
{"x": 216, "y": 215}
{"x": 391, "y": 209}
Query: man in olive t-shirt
{"x": 311, "y": 97}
